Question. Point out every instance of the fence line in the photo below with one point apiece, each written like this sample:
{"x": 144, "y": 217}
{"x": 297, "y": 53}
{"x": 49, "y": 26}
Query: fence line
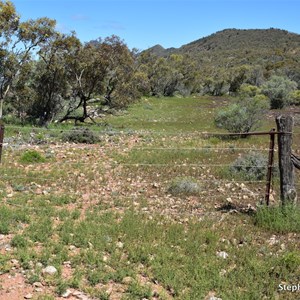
{"x": 205, "y": 180}
{"x": 174, "y": 164}
{"x": 130, "y": 132}
{"x": 205, "y": 148}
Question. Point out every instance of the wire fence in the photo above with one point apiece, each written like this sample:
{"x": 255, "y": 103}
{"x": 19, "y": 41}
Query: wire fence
{"x": 63, "y": 163}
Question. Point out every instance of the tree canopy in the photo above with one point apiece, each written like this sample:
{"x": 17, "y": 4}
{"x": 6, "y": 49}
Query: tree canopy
{"x": 46, "y": 75}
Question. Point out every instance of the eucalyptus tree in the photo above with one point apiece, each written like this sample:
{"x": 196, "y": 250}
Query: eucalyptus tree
{"x": 19, "y": 42}
{"x": 50, "y": 80}
{"x": 100, "y": 68}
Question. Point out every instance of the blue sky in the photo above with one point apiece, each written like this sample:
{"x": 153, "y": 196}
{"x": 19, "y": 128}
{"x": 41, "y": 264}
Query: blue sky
{"x": 171, "y": 23}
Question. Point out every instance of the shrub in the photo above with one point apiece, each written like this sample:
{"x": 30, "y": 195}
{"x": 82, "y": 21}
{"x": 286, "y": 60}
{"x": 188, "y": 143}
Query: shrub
{"x": 251, "y": 167}
{"x": 184, "y": 186}
{"x": 278, "y": 90}
{"x": 242, "y": 116}
{"x": 295, "y": 97}
{"x": 32, "y": 156}
{"x": 81, "y": 135}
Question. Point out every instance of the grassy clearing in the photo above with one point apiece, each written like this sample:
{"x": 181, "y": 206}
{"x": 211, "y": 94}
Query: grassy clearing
{"x": 104, "y": 216}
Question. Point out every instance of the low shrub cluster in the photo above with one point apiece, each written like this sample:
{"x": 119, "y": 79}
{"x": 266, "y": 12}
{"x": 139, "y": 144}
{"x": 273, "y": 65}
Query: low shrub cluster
{"x": 81, "y": 135}
{"x": 184, "y": 186}
{"x": 252, "y": 166}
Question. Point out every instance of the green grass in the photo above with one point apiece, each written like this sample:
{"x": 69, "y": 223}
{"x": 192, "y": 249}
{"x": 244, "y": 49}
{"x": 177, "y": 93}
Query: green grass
{"x": 281, "y": 219}
{"x": 99, "y": 208}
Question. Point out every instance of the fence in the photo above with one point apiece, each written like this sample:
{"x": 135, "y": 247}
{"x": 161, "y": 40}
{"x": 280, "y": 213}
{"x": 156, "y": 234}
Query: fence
{"x": 287, "y": 161}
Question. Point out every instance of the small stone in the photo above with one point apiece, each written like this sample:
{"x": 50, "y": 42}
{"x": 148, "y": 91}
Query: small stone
{"x": 273, "y": 240}
{"x": 120, "y": 245}
{"x": 127, "y": 280}
{"x": 222, "y": 254}
{"x": 7, "y": 248}
{"x": 222, "y": 272}
{"x": 38, "y": 290}
{"x": 50, "y": 270}
{"x": 28, "y": 296}
{"x": 282, "y": 247}
{"x": 72, "y": 247}
{"x": 14, "y": 262}
{"x": 37, "y": 284}
{"x": 67, "y": 294}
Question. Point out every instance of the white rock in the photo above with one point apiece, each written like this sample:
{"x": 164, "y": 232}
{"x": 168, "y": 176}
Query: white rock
{"x": 28, "y": 296}
{"x": 50, "y": 270}
{"x": 120, "y": 245}
{"x": 67, "y": 294}
{"x": 38, "y": 284}
{"x": 222, "y": 254}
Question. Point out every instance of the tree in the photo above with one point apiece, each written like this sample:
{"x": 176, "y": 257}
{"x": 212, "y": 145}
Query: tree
{"x": 18, "y": 41}
{"x": 237, "y": 77}
{"x": 242, "y": 116}
{"x": 278, "y": 90}
{"x": 50, "y": 78}
{"x": 100, "y": 69}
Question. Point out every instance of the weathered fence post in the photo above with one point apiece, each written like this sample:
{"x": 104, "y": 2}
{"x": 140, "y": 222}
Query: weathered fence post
{"x": 288, "y": 192}
{"x": 1, "y": 138}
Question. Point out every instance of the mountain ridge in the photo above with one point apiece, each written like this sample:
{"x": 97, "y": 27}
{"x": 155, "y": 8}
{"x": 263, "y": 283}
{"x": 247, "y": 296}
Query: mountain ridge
{"x": 235, "y": 39}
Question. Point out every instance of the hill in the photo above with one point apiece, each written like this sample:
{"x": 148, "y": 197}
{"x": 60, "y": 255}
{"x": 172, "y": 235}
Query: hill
{"x": 236, "y": 40}
{"x": 222, "y": 62}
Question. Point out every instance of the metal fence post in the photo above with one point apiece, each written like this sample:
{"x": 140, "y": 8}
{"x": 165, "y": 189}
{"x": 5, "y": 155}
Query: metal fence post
{"x": 270, "y": 166}
{"x": 1, "y": 138}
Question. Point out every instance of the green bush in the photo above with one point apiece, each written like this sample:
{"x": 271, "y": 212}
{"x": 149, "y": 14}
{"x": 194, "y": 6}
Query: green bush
{"x": 184, "y": 186}
{"x": 32, "y": 156}
{"x": 295, "y": 97}
{"x": 278, "y": 90}
{"x": 80, "y": 135}
{"x": 244, "y": 115}
{"x": 252, "y": 166}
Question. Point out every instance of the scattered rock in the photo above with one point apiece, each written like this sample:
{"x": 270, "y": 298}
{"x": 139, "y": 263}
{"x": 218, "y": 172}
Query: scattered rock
{"x": 28, "y": 296}
{"x": 222, "y": 254}
{"x": 273, "y": 240}
{"x": 15, "y": 262}
{"x": 127, "y": 280}
{"x": 120, "y": 245}
{"x": 105, "y": 258}
{"x": 37, "y": 284}
{"x": 67, "y": 294}
{"x": 214, "y": 298}
{"x": 50, "y": 270}
{"x": 222, "y": 272}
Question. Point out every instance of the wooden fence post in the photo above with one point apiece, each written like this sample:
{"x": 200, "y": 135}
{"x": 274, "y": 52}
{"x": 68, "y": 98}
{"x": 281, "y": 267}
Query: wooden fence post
{"x": 288, "y": 192}
{"x": 1, "y": 138}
